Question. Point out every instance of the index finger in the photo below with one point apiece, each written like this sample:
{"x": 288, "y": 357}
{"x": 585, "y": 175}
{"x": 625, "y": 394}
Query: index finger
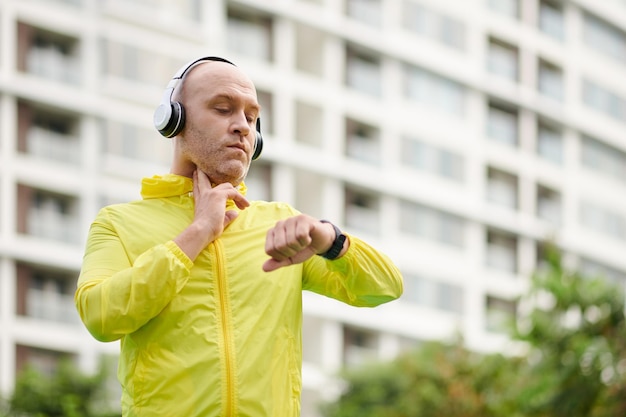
{"x": 238, "y": 198}
{"x": 202, "y": 179}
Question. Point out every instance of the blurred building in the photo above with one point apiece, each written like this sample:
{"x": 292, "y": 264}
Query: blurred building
{"x": 457, "y": 136}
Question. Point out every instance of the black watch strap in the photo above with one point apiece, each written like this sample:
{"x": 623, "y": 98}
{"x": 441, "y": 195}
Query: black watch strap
{"x": 337, "y": 246}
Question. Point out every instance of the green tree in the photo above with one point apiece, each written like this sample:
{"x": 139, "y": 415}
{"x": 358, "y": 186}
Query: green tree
{"x": 437, "y": 380}
{"x": 66, "y": 393}
{"x": 577, "y": 334}
{"x": 574, "y": 366}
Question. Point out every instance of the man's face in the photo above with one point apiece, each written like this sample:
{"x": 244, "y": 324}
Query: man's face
{"x": 221, "y": 110}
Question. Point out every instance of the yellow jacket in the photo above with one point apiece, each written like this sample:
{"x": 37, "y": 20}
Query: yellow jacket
{"x": 218, "y": 336}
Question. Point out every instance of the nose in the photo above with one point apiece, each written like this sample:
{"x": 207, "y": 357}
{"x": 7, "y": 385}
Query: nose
{"x": 240, "y": 124}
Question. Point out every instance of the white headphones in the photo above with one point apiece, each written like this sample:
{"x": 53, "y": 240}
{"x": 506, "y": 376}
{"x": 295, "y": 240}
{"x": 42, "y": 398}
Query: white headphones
{"x": 169, "y": 116}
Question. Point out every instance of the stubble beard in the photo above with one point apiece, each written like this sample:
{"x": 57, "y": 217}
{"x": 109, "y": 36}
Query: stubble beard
{"x": 219, "y": 171}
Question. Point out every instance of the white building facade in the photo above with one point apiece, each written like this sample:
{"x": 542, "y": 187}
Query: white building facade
{"x": 455, "y": 136}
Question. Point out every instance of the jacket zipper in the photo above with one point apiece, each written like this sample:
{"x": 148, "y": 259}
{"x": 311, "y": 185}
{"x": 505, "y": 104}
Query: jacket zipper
{"x": 229, "y": 406}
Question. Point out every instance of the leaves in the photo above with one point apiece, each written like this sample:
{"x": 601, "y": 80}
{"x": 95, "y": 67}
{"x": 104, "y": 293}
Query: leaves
{"x": 435, "y": 381}
{"x": 581, "y": 338}
{"x": 66, "y": 393}
{"x": 575, "y": 365}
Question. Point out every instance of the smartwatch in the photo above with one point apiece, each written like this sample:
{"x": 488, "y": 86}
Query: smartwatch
{"x": 337, "y": 246}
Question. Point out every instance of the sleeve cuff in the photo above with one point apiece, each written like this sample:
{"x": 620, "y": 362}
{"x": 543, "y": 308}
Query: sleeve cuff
{"x": 179, "y": 254}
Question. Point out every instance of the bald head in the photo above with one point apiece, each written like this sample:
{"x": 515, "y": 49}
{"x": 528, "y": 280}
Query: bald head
{"x": 204, "y": 70}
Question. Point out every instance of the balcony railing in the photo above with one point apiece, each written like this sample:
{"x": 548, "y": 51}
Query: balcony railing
{"x": 501, "y": 258}
{"x": 364, "y": 149}
{"x": 49, "y": 223}
{"x": 549, "y": 210}
{"x": 358, "y": 355}
{"x": 363, "y": 219}
{"x": 364, "y": 77}
{"x": 51, "y": 306}
{"x": 51, "y": 63}
{"x": 368, "y": 12}
{"x": 51, "y": 145}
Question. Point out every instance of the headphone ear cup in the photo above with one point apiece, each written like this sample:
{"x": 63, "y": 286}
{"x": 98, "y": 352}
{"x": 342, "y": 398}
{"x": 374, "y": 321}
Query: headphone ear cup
{"x": 162, "y": 117}
{"x": 258, "y": 145}
{"x": 174, "y": 121}
{"x": 179, "y": 111}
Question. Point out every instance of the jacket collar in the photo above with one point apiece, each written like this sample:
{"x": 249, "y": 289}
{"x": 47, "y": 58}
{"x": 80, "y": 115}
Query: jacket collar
{"x": 171, "y": 185}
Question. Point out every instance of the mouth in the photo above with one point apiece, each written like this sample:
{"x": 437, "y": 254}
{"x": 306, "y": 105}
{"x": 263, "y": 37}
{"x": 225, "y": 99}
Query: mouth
{"x": 239, "y": 147}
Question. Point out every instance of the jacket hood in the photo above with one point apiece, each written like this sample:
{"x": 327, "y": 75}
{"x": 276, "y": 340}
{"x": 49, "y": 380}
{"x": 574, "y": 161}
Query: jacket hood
{"x": 171, "y": 185}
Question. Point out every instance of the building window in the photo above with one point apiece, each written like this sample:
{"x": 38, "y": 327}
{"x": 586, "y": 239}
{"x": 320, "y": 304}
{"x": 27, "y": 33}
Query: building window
{"x": 502, "y": 125}
{"x": 43, "y": 361}
{"x": 550, "y": 80}
{"x": 249, "y": 35}
{"x": 549, "y": 205}
{"x": 360, "y": 346}
{"x": 309, "y": 124}
{"x": 309, "y": 189}
{"x": 363, "y": 73}
{"x": 434, "y": 91}
{"x": 603, "y": 158}
{"x": 136, "y": 143}
{"x": 592, "y": 269}
{"x": 549, "y": 144}
{"x": 365, "y": 11}
{"x": 48, "y": 134}
{"x": 500, "y": 314}
{"x": 433, "y": 25}
{"x": 363, "y": 142}
{"x": 542, "y": 264}
{"x": 432, "y": 159}
{"x": 46, "y": 295}
{"x": 502, "y": 59}
{"x": 432, "y": 224}
{"x": 603, "y": 220}
{"x": 127, "y": 62}
{"x": 259, "y": 182}
{"x": 433, "y": 294}
{"x": 604, "y": 37}
{"x": 604, "y": 101}
{"x": 48, "y": 54}
{"x": 48, "y": 215}
{"x": 266, "y": 101}
{"x": 502, "y": 188}
{"x": 502, "y": 251}
{"x": 508, "y": 8}
{"x": 310, "y": 43}
{"x": 551, "y": 20}
{"x": 362, "y": 211}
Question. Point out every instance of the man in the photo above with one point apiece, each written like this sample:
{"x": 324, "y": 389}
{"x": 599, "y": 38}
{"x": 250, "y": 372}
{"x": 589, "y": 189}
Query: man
{"x": 202, "y": 286}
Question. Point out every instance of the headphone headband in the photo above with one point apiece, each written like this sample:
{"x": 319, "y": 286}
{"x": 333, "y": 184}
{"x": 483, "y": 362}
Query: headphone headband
{"x": 183, "y": 70}
{"x": 169, "y": 116}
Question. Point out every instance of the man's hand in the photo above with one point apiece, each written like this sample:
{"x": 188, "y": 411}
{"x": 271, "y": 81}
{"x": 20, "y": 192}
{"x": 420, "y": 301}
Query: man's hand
{"x": 210, "y": 214}
{"x": 296, "y": 239}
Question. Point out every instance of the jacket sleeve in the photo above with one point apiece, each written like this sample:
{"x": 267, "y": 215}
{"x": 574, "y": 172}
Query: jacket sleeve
{"x": 116, "y": 297}
{"x": 362, "y": 277}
